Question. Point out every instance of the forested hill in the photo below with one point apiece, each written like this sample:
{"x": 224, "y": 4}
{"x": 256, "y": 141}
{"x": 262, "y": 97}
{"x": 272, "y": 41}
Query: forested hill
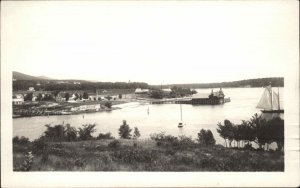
{"x": 21, "y": 82}
{"x": 259, "y": 82}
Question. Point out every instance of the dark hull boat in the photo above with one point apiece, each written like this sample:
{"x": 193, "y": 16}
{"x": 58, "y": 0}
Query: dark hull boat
{"x": 272, "y": 111}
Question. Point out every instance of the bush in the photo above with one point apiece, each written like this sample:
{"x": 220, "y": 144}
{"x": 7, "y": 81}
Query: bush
{"x": 133, "y": 156}
{"x": 125, "y": 131}
{"x": 27, "y": 163}
{"x": 157, "y": 94}
{"x": 86, "y": 131}
{"x": 55, "y": 133}
{"x": 206, "y": 137}
{"x": 70, "y": 133}
{"x": 164, "y": 140}
{"x": 276, "y": 131}
{"x": 136, "y": 133}
{"x": 104, "y": 136}
{"x": 22, "y": 141}
{"x": 60, "y": 133}
{"x": 186, "y": 141}
{"x": 40, "y": 146}
{"x": 108, "y": 104}
{"x": 248, "y": 146}
{"x": 114, "y": 144}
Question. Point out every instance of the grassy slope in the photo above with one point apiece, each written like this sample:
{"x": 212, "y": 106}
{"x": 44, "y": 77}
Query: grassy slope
{"x": 146, "y": 156}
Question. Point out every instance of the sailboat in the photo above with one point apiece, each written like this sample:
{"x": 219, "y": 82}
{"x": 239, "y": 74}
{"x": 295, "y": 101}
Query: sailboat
{"x": 180, "y": 124}
{"x": 269, "y": 101}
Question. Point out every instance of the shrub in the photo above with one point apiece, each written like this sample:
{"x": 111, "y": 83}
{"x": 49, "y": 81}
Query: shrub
{"x": 186, "y": 141}
{"x": 276, "y": 131}
{"x": 27, "y": 163}
{"x": 136, "y": 133}
{"x": 206, "y": 137}
{"x": 28, "y": 97}
{"x": 114, "y": 144}
{"x": 157, "y": 94}
{"x": 125, "y": 131}
{"x": 60, "y": 133}
{"x": 164, "y": 140}
{"x": 133, "y": 156}
{"x": 104, "y": 136}
{"x": 248, "y": 146}
{"x": 70, "y": 133}
{"x": 22, "y": 141}
{"x": 108, "y": 104}
{"x": 40, "y": 146}
{"x": 55, "y": 133}
{"x": 86, "y": 131}
{"x": 157, "y": 136}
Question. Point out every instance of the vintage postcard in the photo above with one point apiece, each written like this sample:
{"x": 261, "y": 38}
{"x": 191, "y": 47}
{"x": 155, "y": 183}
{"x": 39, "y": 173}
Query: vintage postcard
{"x": 149, "y": 93}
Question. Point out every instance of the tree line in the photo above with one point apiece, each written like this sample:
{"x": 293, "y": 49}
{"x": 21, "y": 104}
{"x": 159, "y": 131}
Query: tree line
{"x": 175, "y": 92}
{"x": 258, "y": 130}
{"x": 68, "y": 85}
{"x": 259, "y": 82}
{"x": 67, "y": 133}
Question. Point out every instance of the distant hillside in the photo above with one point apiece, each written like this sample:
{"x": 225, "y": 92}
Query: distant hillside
{"x": 45, "y": 78}
{"x": 259, "y": 82}
{"x": 22, "y": 82}
{"x": 21, "y": 76}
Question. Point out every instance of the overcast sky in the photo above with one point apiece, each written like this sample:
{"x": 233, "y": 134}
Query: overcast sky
{"x": 154, "y": 42}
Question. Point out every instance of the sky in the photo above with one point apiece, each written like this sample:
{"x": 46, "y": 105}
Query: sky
{"x": 157, "y": 42}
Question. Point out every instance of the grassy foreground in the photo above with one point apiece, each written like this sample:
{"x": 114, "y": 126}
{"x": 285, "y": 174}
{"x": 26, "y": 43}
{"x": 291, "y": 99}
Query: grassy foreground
{"x": 141, "y": 155}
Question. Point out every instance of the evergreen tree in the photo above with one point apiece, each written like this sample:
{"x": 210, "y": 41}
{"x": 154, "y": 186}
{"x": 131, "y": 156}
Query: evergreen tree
{"x": 125, "y": 131}
{"x": 136, "y": 133}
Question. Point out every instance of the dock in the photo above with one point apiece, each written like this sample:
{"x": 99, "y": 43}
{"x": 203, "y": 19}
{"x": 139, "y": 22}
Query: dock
{"x": 193, "y": 101}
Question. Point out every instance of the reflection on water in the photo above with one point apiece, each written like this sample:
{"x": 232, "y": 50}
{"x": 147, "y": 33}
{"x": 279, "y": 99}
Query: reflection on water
{"x": 156, "y": 118}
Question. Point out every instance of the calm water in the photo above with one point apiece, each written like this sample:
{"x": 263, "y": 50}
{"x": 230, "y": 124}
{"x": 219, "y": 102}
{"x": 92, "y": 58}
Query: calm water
{"x": 163, "y": 117}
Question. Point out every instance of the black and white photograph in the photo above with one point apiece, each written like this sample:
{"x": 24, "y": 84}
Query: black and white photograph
{"x": 198, "y": 92}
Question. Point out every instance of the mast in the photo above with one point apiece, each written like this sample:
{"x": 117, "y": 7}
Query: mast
{"x": 278, "y": 99}
{"x": 271, "y": 96}
{"x": 271, "y": 99}
{"x": 180, "y": 112}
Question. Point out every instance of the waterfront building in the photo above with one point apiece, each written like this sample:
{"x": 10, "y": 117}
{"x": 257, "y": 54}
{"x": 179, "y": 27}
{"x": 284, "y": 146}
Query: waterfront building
{"x": 31, "y": 89}
{"x": 18, "y": 99}
{"x": 166, "y": 91}
{"x": 141, "y": 91}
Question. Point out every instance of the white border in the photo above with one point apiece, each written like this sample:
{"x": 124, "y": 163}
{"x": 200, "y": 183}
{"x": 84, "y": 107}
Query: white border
{"x": 290, "y": 177}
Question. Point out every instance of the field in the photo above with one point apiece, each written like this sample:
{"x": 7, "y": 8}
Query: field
{"x": 140, "y": 155}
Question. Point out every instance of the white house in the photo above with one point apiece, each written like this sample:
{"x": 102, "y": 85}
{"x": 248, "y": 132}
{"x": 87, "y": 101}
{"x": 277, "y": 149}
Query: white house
{"x": 18, "y": 101}
{"x": 31, "y": 89}
{"x": 82, "y": 108}
{"x": 167, "y": 90}
{"x": 71, "y": 100}
{"x": 75, "y": 109}
{"x": 140, "y": 91}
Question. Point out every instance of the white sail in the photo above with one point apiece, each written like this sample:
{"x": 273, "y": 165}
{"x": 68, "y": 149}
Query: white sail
{"x": 275, "y": 104}
{"x": 265, "y": 100}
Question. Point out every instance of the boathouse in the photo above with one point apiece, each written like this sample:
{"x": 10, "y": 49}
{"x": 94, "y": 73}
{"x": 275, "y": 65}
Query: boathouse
{"x": 213, "y": 98}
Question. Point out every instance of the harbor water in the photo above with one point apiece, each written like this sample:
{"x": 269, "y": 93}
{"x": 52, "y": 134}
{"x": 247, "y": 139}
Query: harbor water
{"x": 156, "y": 118}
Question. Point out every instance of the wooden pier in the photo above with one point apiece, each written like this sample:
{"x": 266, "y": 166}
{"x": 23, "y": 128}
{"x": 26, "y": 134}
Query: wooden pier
{"x": 171, "y": 101}
{"x": 193, "y": 101}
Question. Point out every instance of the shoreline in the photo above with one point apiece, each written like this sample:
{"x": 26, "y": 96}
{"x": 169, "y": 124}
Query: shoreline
{"x": 115, "y": 105}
